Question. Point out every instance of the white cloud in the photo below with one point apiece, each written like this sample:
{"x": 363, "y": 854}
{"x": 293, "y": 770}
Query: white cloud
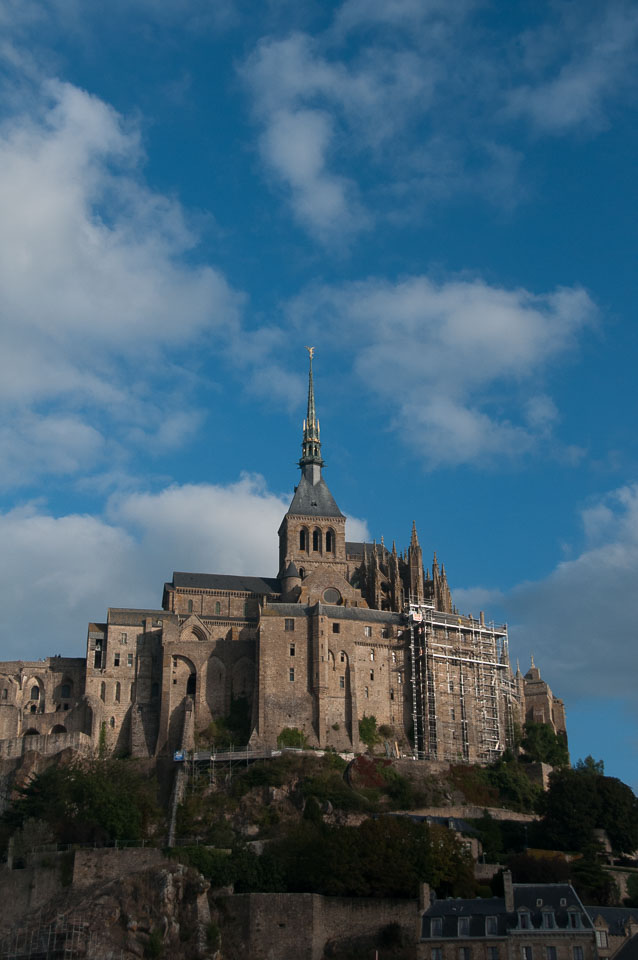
{"x": 94, "y": 288}
{"x": 580, "y": 621}
{"x": 457, "y": 363}
{"x": 595, "y": 56}
{"x": 57, "y": 573}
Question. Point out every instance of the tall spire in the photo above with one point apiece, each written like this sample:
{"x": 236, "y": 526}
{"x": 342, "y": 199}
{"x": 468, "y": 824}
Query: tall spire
{"x": 311, "y": 444}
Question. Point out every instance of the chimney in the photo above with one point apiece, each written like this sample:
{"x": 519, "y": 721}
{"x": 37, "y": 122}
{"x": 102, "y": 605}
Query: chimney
{"x": 508, "y": 888}
{"x": 425, "y": 896}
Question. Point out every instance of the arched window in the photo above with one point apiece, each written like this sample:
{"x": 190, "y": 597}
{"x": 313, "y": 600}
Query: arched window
{"x": 191, "y": 685}
{"x": 103, "y": 691}
{"x": 35, "y": 693}
{"x": 118, "y": 689}
{"x": 65, "y": 691}
{"x": 303, "y": 540}
{"x": 302, "y": 572}
{"x": 190, "y": 606}
{"x": 112, "y": 722}
{"x": 218, "y": 608}
{"x": 316, "y": 540}
{"x": 330, "y": 542}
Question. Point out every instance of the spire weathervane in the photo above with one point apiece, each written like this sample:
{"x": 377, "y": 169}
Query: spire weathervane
{"x": 311, "y": 444}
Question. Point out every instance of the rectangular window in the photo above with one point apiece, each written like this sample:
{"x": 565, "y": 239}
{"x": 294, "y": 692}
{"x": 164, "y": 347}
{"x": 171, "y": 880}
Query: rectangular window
{"x": 289, "y": 624}
{"x": 292, "y": 649}
{"x": 292, "y": 674}
{"x": 436, "y": 927}
{"x": 574, "y": 921}
{"x": 492, "y": 953}
{"x": 367, "y": 631}
{"x": 465, "y": 953}
{"x": 550, "y": 953}
{"x": 601, "y": 939}
{"x": 548, "y": 920}
{"x": 5, "y": 693}
{"x": 491, "y": 927}
{"x": 452, "y": 714}
{"x": 391, "y": 694}
{"x": 129, "y": 659}
{"x": 372, "y": 655}
{"x": 372, "y": 674}
{"x": 523, "y": 920}
{"x": 577, "y": 953}
{"x": 450, "y": 686}
{"x": 437, "y": 953}
{"x": 116, "y": 659}
{"x": 527, "y": 953}
{"x": 366, "y": 693}
{"x": 464, "y": 927}
{"x": 342, "y": 683}
{"x": 124, "y": 638}
{"x": 394, "y": 657}
{"x": 336, "y": 628}
{"x": 400, "y": 677}
{"x": 342, "y": 657}
{"x": 97, "y": 660}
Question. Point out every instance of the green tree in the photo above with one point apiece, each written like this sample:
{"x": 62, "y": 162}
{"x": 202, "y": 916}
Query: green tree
{"x": 541, "y": 744}
{"x": 589, "y": 765}
{"x": 368, "y": 732}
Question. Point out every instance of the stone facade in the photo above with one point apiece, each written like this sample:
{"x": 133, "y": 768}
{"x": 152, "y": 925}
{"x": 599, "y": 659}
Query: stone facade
{"x": 345, "y": 630}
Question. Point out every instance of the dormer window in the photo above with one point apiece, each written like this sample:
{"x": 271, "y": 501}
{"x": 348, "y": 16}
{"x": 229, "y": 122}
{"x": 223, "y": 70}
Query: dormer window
{"x": 491, "y": 927}
{"x": 574, "y": 920}
{"x": 524, "y": 920}
{"x": 436, "y": 927}
{"x": 464, "y": 926}
{"x": 548, "y": 920}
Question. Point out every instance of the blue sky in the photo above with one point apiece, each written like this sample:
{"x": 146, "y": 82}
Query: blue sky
{"x": 441, "y": 197}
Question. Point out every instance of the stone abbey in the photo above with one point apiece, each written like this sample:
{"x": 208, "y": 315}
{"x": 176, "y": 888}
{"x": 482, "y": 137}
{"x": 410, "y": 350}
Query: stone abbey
{"x": 343, "y": 631}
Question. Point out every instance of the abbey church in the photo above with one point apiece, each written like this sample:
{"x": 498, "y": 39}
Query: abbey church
{"x": 344, "y": 630}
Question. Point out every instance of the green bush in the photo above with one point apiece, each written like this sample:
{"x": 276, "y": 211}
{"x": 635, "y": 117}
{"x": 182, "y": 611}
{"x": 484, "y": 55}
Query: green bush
{"x": 292, "y": 737}
{"x": 368, "y": 732}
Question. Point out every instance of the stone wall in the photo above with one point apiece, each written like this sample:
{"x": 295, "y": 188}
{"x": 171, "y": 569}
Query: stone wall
{"x": 297, "y": 926}
{"x": 91, "y": 866}
{"x": 46, "y": 745}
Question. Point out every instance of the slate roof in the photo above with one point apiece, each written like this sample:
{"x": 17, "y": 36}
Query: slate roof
{"x": 629, "y": 950}
{"x": 223, "y": 581}
{"x": 536, "y": 897}
{"x": 614, "y": 917}
{"x": 335, "y": 612}
{"x": 313, "y": 501}
{"x": 130, "y": 617}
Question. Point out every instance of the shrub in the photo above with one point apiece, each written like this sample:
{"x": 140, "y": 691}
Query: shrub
{"x": 292, "y": 737}
{"x": 368, "y": 731}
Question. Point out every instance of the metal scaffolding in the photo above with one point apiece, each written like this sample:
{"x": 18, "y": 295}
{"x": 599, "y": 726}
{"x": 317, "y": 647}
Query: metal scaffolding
{"x": 465, "y": 662}
{"x": 65, "y": 938}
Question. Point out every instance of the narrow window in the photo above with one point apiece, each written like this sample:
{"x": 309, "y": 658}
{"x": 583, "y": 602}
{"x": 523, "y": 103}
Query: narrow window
{"x": 550, "y": 953}
{"x": 292, "y": 649}
{"x": 35, "y": 693}
{"x": 129, "y": 660}
{"x": 65, "y": 691}
{"x": 316, "y": 540}
{"x": 291, "y": 674}
{"x": 400, "y": 677}
{"x": 548, "y": 920}
{"x": 102, "y": 691}
{"x": 303, "y": 540}
{"x": 574, "y": 922}
{"x": 452, "y": 714}
{"x": 342, "y": 683}
{"x": 246, "y": 608}
{"x": 391, "y": 694}
{"x": 117, "y": 692}
{"x": 289, "y": 624}
{"x": 492, "y": 953}
{"x": 527, "y": 953}
{"x": 490, "y": 926}
{"x": 601, "y": 939}
{"x": 450, "y": 686}
{"x": 578, "y": 953}
{"x": 372, "y": 674}
{"x": 97, "y": 659}
{"x": 190, "y": 606}
{"x": 367, "y": 631}
{"x": 5, "y": 693}
{"x": 523, "y": 921}
{"x": 342, "y": 657}
{"x": 191, "y": 685}
{"x": 330, "y": 541}
{"x": 437, "y": 953}
{"x": 155, "y": 690}
{"x": 372, "y": 655}
{"x": 465, "y": 953}
{"x": 336, "y": 628}
{"x": 124, "y": 638}
{"x": 302, "y": 573}
{"x": 464, "y": 926}
{"x": 218, "y": 608}
{"x": 132, "y": 692}
{"x": 436, "y": 927}
{"x": 112, "y": 722}
{"x": 394, "y": 657}
{"x": 367, "y": 693}
{"x": 116, "y": 659}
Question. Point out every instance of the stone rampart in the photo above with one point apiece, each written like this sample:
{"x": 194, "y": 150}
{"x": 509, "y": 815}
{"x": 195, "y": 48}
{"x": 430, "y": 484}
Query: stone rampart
{"x": 91, "y": 866}
{"x": 46, "y": 744}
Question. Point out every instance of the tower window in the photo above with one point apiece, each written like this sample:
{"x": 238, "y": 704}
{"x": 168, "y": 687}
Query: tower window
{"x": 218, "y": 607}
{"x": 117, "y": 692}
{"x": 342, "y": 683}
{"x": 291, "y": 674}
{"x": 372, "y": 655}
{"x": 129, "y": 660}
{"x": 116, "y": 659}
{"x": 336, "y": 628}
{"x": 316, "y": 544}
{"x": 330, "y": 542}
{"x": 303, "y": 540}
{"x": 367, "y": 631}
{"x": 366, "y": 692}
{"x": 289, "y": 624}
{"x": 342, "y": 656}
{"x": 102, "y": 691}
{"x": 372, "y": 674}
{"x": 124, "y": 638}
{"x": 292, "y": 649}
{"x": 190, "y": 606}
{"x": 35, "y": 693}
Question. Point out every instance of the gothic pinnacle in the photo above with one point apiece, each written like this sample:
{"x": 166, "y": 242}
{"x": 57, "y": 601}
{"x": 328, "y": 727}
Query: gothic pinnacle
{"x": 311, "y": 444}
